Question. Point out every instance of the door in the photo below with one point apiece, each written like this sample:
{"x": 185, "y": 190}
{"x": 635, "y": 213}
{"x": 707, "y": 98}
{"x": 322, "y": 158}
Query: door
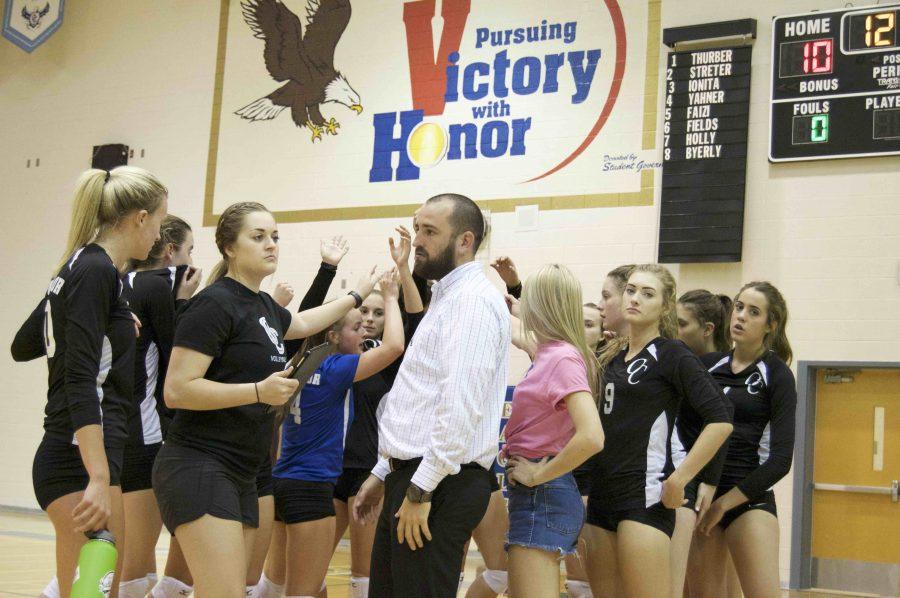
{"x": 855, "y": 513}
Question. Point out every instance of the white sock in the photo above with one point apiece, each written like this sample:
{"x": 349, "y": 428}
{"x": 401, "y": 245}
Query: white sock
{"x": 359, "y": 587}
{"x": 169, "y": 587}
{"x": 579, "y": 589}
{"x": 52, "y": 589}
{"x": 151, "y": 581}
{"x": 496, "y": 580}
{"x": 266, "y": 588}
{"x": 250, "y": 591}
{"x": 136, "y": 588}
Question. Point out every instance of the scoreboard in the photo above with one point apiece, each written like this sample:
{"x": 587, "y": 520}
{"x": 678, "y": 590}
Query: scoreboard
{"x": 835, "y": 84}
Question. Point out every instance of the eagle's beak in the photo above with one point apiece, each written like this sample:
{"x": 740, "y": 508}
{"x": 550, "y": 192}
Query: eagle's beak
{"x": 357, "y": 108}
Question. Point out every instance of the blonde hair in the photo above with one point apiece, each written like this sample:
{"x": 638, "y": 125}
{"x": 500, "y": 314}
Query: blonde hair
{"x": 552, "y": 311}
{"x": 103, "y": 197}
{"x": 668, "y": 319}
{"x": 227, "y": 230}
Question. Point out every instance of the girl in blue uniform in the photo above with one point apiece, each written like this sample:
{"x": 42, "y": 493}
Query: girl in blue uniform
{"x": 313, "y": 436}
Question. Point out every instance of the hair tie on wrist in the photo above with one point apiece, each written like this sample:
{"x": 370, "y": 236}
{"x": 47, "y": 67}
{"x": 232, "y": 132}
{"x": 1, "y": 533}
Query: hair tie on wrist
{"x": 256, "y": 388}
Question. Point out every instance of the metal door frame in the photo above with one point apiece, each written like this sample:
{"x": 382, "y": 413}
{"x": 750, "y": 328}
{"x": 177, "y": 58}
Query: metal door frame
{"x": 804, "y": 445}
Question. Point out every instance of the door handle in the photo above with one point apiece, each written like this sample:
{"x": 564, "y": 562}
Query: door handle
{"x": 893, "y": 490}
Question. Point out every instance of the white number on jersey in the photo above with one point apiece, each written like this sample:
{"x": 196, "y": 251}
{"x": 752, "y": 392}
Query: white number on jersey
{"x": 295, "y": 409}
{"x": 49, "y": 341}
{"x": 609, "y": 395}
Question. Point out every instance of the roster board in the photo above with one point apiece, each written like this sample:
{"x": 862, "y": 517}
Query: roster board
{"x": 835, "y": 84}
{"x": 704, "y": 155}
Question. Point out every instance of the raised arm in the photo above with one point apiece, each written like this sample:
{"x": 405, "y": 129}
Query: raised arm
{"x": 309, "y": 322}
{"x": 374, "y": 360}
{"x": 412, "y": 299}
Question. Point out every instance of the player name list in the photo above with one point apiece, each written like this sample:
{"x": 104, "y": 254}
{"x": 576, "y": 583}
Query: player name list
{"x": 707, "y": 101}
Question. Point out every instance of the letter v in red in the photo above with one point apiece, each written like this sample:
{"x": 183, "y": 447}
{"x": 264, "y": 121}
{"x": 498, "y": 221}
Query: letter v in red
{"x": 428, "y": 77}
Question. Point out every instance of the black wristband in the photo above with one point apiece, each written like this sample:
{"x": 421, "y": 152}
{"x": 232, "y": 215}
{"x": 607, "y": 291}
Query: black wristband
{"x": 328, "y": 267}
{"x": 356, "y": 297}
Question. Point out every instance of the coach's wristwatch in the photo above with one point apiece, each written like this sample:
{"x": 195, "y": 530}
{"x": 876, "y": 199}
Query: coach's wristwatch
{"x": 417, "y": 495}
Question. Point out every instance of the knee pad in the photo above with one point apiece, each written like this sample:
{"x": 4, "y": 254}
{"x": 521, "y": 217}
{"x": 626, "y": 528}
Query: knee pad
{"x": 359, "y": 587}
{"x": 52, "y": 589}
{"x": 496, "y": 579}
{"x": 169, "y": 587}
{"x": 136, "y": 588}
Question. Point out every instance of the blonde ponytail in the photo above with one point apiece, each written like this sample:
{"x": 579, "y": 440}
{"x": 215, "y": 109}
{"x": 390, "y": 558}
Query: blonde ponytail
{"x": 102, "y": 198}
{"x": 85, "y": 212}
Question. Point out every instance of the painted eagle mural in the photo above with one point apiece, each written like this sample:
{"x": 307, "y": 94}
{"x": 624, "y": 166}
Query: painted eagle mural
{"x": 304, "y": 60}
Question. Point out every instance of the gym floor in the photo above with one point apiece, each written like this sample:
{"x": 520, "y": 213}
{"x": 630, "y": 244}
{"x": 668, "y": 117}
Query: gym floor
{"x": 26, "y": 543}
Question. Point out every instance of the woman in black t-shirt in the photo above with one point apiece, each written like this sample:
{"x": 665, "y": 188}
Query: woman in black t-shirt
{"x": 88, "y": 337}
{"x": 227, "y": 368}
{"x": 153, "y": 289}
{"x": 630, "y": 514}
{"x": 759, "y": 383}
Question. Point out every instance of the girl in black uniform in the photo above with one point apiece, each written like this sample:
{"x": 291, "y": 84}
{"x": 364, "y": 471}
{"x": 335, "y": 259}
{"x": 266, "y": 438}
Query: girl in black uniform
{"x": 635, "y": 490}
{"x": 703, "y": 327}
{"x": 152, "y": 291}
{"x": 757, "y": 380}
{"x": 227, "y": 368}
{"x": 89, "y": 337}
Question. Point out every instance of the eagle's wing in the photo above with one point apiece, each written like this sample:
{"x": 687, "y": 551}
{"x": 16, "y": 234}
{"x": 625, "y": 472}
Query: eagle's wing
{"x": 327, "y": 20}
{"x": 25, "y": 14}
{"x": 45, "y": 10}
{"x": 273, "y": 22}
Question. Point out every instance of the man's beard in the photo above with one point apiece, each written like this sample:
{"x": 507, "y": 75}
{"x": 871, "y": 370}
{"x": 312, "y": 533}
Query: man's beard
{"x": 437, "y": 267}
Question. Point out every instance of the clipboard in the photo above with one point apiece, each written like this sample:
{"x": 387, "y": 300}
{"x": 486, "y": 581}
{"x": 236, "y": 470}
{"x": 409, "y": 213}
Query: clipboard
{"x": 306, "y": 362}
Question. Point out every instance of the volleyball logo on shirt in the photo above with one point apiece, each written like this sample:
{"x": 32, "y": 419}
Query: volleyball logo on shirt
{"x": 754, "y": 383}
{"x": 635, "y": 369}
{"x": 272, "y": 334}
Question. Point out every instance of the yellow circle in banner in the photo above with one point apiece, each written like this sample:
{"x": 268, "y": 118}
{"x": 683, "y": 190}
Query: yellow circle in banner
{"x": 426, "y": 145}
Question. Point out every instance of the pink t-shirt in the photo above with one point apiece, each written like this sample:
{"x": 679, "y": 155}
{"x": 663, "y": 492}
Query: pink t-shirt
{"x": 540, "y": 424}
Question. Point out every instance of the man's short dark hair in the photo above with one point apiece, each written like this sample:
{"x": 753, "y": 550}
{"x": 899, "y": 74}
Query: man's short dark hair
{"x": 466, "y": 216}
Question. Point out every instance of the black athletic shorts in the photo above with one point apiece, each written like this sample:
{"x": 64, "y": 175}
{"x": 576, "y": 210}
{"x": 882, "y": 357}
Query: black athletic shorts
{"x": 264, "y": 480}
{"x": 766, "y": 503}
{"x": 297, "y": 501}
{"x": 350, "y": 482}
{"x": 690, "y": 493}
{"x": 190, "y": 484}
{"x": 495, "y": 481}
{"x": 137, "y": 466}
{"x": 58, "y": 470}
{"x": 656, "y": 516}
{"x": 583, "y": 479}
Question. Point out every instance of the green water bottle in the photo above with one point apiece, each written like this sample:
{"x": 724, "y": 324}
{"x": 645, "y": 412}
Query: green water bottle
{"x": 96, "y": 566}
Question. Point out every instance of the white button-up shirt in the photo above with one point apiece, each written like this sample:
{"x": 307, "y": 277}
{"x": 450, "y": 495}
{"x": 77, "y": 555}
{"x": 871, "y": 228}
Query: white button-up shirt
{"x": 448, "y": 395}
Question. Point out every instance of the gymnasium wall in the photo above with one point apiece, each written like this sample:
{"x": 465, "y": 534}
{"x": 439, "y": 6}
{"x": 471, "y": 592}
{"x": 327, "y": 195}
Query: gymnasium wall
{"x": 144, "y": 73}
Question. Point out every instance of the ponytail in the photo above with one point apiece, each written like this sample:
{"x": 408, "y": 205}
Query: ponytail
{"x": 85, "y": 212}
{"x": 708, "y": 308}
{"x": 103, "y": 197}
{"x": 218, "y": 272}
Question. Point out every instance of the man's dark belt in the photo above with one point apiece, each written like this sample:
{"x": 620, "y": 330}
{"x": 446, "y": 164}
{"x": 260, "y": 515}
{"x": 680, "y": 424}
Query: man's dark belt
{"x": 398, "y": 464}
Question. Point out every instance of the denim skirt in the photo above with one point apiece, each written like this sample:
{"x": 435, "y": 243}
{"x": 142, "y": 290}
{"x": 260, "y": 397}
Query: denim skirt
{"x": 548, "y": 517}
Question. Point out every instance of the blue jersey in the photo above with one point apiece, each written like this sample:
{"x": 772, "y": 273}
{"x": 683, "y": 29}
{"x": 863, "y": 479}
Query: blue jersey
{"x": 312, "y": 437}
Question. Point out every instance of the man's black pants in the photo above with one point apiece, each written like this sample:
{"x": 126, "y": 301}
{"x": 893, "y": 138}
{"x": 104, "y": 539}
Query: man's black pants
{"x": 457, "y": 507}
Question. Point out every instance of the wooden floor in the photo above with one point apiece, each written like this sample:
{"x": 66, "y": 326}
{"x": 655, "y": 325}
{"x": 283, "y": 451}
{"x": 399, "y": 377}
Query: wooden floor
{"x": 27, "y": 562}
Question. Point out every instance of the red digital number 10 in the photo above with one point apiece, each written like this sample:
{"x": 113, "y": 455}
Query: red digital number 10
{"x": 817, "y": 56}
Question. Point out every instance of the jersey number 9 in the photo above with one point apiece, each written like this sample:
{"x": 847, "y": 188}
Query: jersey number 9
{"x": 608, "y": 397}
